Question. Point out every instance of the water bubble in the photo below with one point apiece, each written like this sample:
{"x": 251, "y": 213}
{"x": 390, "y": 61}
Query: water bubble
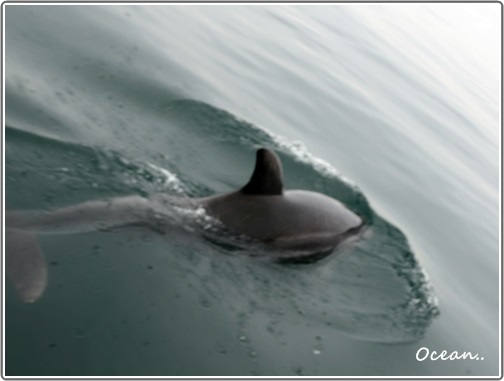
{"x": 317, "y": 351}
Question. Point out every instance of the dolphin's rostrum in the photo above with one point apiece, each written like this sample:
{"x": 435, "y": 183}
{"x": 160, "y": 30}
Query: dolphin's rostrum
{"x": 303, "y": 222}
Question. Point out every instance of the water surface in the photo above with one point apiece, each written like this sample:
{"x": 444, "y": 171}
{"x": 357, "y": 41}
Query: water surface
{"x": 392, "y": 109}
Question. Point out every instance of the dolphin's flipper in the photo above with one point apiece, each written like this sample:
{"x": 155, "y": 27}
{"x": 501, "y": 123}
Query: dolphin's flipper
{"x": 25, "y": 265}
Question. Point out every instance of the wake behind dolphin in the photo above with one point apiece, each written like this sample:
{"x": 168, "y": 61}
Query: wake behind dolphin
{"x": 302, "y": 222}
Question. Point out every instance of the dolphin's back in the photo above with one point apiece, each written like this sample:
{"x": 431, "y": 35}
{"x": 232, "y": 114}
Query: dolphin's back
{"x": 294, "y": 220}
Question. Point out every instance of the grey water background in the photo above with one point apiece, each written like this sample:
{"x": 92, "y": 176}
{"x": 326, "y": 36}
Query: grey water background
{"x": 391, "y": 108}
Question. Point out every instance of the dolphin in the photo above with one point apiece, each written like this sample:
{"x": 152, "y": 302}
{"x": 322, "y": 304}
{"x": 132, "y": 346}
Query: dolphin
{"x": 294, "y": 220}
{"x": 303, "y": 222}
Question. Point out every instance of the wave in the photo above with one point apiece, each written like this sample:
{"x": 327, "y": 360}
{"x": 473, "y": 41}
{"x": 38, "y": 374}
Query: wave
{"x": 373, "y": 290}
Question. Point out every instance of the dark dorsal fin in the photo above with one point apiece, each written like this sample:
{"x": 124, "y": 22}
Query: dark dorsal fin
{"x": 267, "y": 177}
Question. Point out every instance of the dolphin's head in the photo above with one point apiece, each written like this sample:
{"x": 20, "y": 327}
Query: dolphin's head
{"x": 266, "y": 179}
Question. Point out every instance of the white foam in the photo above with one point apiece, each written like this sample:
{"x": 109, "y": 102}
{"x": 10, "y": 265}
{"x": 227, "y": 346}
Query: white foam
{"x": 170, "y": 180}
{"x": 300, "y": 152}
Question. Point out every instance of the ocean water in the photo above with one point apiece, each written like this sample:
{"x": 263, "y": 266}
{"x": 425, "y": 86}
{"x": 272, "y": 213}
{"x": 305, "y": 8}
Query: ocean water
{"x": 394, "y": 109}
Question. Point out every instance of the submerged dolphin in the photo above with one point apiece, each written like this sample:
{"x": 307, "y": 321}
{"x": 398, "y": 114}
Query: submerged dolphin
{"x": 300, "y": 221}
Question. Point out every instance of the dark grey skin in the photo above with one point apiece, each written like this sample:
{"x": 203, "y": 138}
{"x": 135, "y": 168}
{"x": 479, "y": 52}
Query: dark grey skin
{"x": 292, "y": 220}
{"x": 301, "y": 221}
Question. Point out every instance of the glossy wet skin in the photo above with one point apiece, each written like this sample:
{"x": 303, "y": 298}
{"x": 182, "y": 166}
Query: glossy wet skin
{"x": 293, "y": 220}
